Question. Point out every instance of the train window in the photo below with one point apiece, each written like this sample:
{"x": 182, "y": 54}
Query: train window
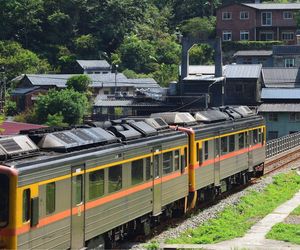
{"x": 176, "y": 160}
{"x": 114, "y": 178}
{"x": 224, "y": 145}
{"x": 96, "y": 184}
{"x": 241, "y": 140}
{"x": 50, "y": 198}
{"x": 167, "y": 163}
{"x": 205, "y": 150}
{"x": 4, "y": 204}
{"x": 185, "y": 159}
{"x": 255, "y": 136}
{"x": 78, "y": 189}
{"x": 137, "y": 172}
{"x": 198, "y": 152}
{"x": 26, "y": 205}
{"x": 148, "y": 168}
{"x": 231, "y": 143}
{"x": 156, "y": 166}
{"x": 259, "y": 135}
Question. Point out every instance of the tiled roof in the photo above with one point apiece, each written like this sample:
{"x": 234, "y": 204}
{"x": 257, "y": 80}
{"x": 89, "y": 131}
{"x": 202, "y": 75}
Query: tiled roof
{"x": 93, "y": 64}
{"x": 280, "y": 93}
{"x": 286, "y": 49}
{"x": 281, "y": 77}
{"x": 253, "y": 53}
{"x": 243, "y": 70}
{"x": 274, "y": 6}
{"x": 279, "y": 107}
{"x": 13, "y": 128}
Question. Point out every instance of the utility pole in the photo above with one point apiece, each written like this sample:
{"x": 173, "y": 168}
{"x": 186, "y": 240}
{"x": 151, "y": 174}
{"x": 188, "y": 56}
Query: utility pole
{"x": 2, "y": 88}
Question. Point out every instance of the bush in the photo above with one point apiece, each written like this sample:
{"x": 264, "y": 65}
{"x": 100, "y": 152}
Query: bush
{"x": 249, "y": 45}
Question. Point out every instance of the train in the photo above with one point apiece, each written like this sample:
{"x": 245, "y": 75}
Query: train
{"x": 91, "y": 186}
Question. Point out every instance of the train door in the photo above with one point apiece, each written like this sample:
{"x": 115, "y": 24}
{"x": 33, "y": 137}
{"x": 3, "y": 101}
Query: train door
{"x": 77, "y": 207}
{"x": 249, "y": 144}
{"x": 157, "y": 181}
{"x": 217, "y": 161}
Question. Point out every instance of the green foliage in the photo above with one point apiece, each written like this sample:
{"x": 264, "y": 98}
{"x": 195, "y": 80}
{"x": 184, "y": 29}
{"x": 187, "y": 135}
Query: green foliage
{"x": 197, "y": 26}
{"x": 56, "y": 120}
{"x": 79, "y": 83}
{"x": 71, "y": 104}
{"x": 17, "y": 60}
{"x": 234, "y": 221}
{"x": 86, "y": 45}
{"x": 10, "y": 107}
{"x": 201, "y": 54}
{"x": 249, "y": 45}
{"x": 296, "y": 211}
{"x": 28, "y": 116}
{"x": 153, "y": 245}
{"x": 285, "y": 232}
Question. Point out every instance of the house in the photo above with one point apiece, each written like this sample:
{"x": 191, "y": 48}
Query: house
{"x": 93, "y": 66}
{"x": 241, "y": 85}
{"x": 104, "y": 85}
{"x": 286, "y": 56}
{"x": 263, "y": 57}
{"x": 257, "y": 21}
{"x": 281, "y": 101}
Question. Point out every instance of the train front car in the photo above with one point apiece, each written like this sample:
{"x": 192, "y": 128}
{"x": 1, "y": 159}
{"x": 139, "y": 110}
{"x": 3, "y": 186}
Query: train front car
{"x": 8, "y": 180}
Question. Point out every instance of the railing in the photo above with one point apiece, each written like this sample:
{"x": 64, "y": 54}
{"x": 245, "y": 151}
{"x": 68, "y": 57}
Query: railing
{"x": 282, "y": 144}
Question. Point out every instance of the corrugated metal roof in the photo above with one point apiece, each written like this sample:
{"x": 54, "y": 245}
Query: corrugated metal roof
{"x": 93, "y": 64}
{"x": 281, "y": 77}
{"x": 279, "y": 107}
{"x": 274, "y": 6}
{"x": 253, "y": 53}
{"x": 243, "y": 70}
{"x": 280, "y": 93}
{"x": 22, "y": 91}
{"x": 286, "y": 49}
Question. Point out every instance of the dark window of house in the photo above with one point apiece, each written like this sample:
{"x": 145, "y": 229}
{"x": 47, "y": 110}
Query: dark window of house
{"x": 167, "y": 163}
{"x": 96, "y": 184}
{"x": 224, "y": 145}
{"x": 226, "y": 15}
{"x": 241, "y": 140}
{"x": 114, "y": 178}
{"x": 137, "y": 172}
{"x": 176, "y": 160}
{"x": 148, "y": 168}
{"x": 50, "y": 198}
{"x": 26, "y": 205}
{"x": 273, "y": 117}
{"x": 231, "y": 143}
{"x": 205, "y": 150}
{"x": 294, "y": 117}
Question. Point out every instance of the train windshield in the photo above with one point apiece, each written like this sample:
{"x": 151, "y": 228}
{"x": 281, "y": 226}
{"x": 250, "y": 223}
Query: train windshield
{"x": 4, "y": 203}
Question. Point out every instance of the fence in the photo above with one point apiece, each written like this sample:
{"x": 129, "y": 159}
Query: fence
{"x": 282, "y": 144}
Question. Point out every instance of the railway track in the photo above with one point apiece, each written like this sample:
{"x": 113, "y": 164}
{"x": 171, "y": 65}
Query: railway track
{"x": 272, "y": 165}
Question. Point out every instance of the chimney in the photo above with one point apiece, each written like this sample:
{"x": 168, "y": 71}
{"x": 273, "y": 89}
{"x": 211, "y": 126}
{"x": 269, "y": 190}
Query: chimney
{"x": 218, "y": 58}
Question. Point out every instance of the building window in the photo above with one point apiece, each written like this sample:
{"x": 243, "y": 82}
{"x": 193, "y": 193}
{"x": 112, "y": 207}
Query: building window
{"x": 287, "y": 36}
{"x": 106, "y": 92}
{"x": 226, "y": 15}
{"x": 272, "y": 135}
{"x": 247, "y": 60}
{"x": 114, "y": 178}
{"x": 96, "y": 184}
{"x": 266, "y": 36}
{"x": 287, "y": 15}
{"x": 294, "y": 117}
{"x": 244, "y": 35}
{"x": 244, "y": 15}
{"x": 273, "y": 117}
{"x": 289, "y": 62}
{"x": 227, "y": 35}
{"x": 266, "y": 18}
{"x": 50, "y": 198}
{"x": 137, "y": 172}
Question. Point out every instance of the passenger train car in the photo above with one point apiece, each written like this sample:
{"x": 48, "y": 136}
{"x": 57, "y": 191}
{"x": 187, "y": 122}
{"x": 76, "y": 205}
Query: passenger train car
{"x": 90, "y": 186}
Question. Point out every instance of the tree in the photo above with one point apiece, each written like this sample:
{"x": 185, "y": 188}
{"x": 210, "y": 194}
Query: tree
{"x": 17, "y": 60}
{"x": 71, "y": 104}
{"x": 79, "y": 83}
{"x": 56, "y": 120}
{"x": 199, "y": 26}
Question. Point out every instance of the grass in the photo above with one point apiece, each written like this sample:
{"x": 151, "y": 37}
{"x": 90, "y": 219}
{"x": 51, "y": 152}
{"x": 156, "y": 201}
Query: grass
{"x": 235, "y": 221}
{"x": 285, "y": 232}
{"x": 296, "y": 211}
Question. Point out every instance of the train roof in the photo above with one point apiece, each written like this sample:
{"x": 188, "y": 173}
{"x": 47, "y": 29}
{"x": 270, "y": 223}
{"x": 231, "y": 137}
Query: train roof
{"x": 55, "y": 143}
